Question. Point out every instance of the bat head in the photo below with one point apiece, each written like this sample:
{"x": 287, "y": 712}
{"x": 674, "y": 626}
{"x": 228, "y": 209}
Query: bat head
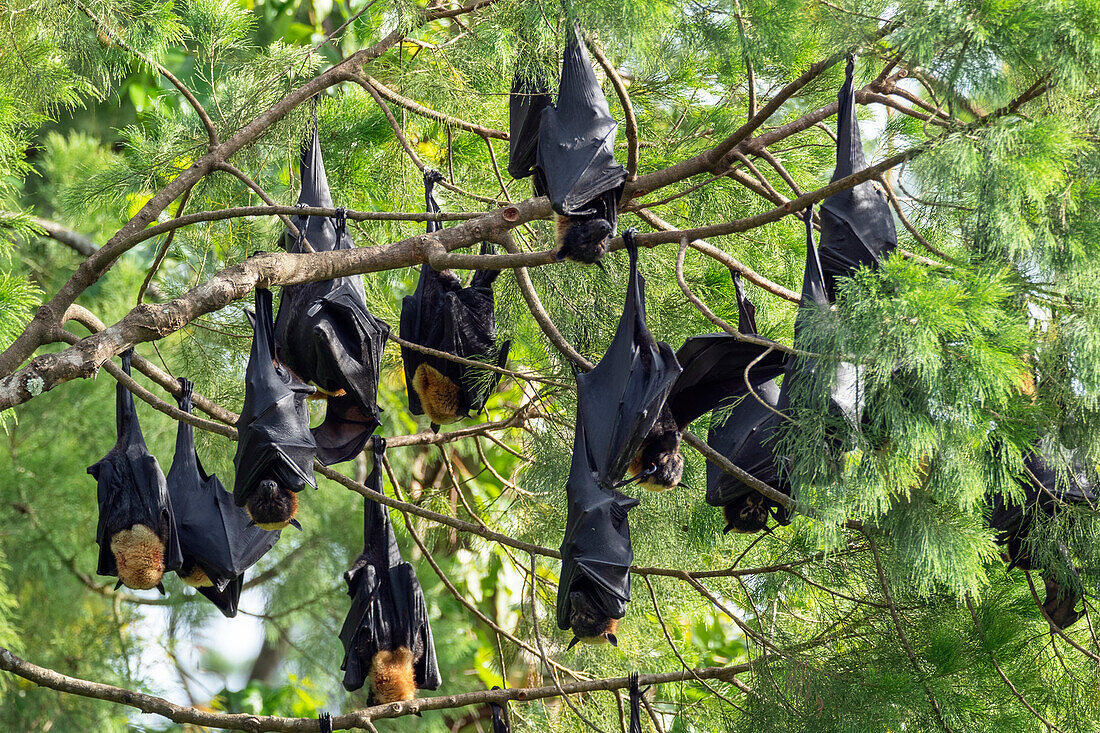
{"x": 271, "y": 506}
{"x": 1060, "y": 604}
{"x": 659, "y": 455}
{"x": 439, "y": 396}
{"x": 391, "y": 676}
{"x": 582, "y": 239}
{"x": 139, "y": 555}
{"x": 748, "y": 513}
{"x": 590, "y": 625}
{"x": 192, "y": 574}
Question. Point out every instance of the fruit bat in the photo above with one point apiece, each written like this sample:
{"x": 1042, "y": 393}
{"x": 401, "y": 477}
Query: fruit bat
{"x": 713, "y": 370}
{"x": 386, "y": 635}
{"x": 745, "y": 433}
{"x": 137, "y": 534}
{"x": 324, "y": 333}
{"x": 596, "y": 554}
{"x": 275, "y": 448}
{"x": 857, "y": 227}
{"x": 573, "y": 160}
{"x": 1043, "y": 493}
{"x": 620, "y": 400}
{"x": 443, "y": 315}
{"x": 215, "y": 538}
{"x": 635, "y": 704}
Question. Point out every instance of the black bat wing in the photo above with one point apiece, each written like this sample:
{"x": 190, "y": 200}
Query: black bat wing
{"x": 131, "y": 488}
{"x": 350, "y": 341}
{"x": 714, "y": 367}
{"x": 213, "y": 531}
{"x": 388, "y": 606}
{"x": 274, "y": 437}
{"x": 857, "y": 227}
{"x": 576, "y": 147}
{"x": 527, "y": 100}
{"x": 745, "y": 438}
{"x": 596, "y": 547}
{"x": 227, "y": 597}
{"x": 621, "y": 398}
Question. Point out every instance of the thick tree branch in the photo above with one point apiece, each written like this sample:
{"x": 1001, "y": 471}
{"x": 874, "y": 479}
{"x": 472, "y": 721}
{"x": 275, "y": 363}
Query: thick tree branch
{"x": 44, "y": 677}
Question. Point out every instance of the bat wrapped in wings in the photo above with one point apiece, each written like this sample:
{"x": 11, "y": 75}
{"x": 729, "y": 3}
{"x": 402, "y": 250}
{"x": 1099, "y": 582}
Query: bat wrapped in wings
{"x": 137, "y": 534}
{"x": 386, "y": 635}
{"x": 443, "y": 315}
{"x": 275, "y": 448}
{"x": 215, "y": 538}
{"x": 324, "y": 333}
{"x": 596, "y": 554}
{"x": 1044, "y": 494}
{"x": 570, "y": 148}
{"x": 620, "y": 400}
{"x": 617, "y": 403}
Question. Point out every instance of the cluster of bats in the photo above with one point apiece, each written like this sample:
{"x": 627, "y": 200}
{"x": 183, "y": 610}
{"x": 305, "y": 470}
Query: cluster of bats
{"x": 632, "y": 407}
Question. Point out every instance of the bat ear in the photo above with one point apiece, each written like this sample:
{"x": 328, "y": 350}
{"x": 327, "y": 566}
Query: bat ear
{"x": 296, "y": 524}
{"x": 118, "y": 585}
{"x": 728, "y": 529}
{"x": 435, "y": 427}
{"x": 612, "y": 640}
{"x": 160, "y": 587}
{"x": 572, "y": 643}
{"x": 251, "y": 523}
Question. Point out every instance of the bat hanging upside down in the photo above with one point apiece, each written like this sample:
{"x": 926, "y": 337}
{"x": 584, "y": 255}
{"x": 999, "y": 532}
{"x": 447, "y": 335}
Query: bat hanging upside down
{"x": 137, "y": 533}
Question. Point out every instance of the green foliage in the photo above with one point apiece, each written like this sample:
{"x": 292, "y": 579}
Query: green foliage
{"x": 1006, "y": 195}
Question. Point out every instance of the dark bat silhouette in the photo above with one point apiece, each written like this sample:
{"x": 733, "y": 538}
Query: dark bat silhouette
{"x": 275, "y": 448}
{"x": 1044, "y": 494}
{"x": 386, "y": 635}
{"x": 443, "y": 315}
{"x": 596, "y": 554}
{"x": 713, "y": 370}
{"x": 137, "y": 534}
{"x": 215, "y": 538}
{"x": 620, "y": 400}
{"x": 857, "y": 227}
{"x": 573, "y": 160}
{"x": 324, "y": 333}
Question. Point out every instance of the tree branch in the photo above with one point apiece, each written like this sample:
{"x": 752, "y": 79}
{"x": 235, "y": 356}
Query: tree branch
{"x": 44, "y": 677}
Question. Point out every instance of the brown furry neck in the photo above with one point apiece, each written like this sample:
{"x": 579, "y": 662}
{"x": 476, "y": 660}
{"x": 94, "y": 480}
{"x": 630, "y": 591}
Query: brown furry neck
{"x": 139, "y": 555}
{"x": 612, "y": 627}
{"x": 391, "y": 676}
{"x": 439, "y": 396}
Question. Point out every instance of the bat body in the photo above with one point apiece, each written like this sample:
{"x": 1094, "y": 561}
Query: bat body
{"x": 386, "y": 635}
{"x": 569, "y": 147}
{"x": 618, "y": 402}
{"x": 596, "y": 553}
{"x": 137, "y": 533}
{"x": 443, "y": 315}
{"x": 621, "y": 398}
{"x": 324, "y": 333}
{"x": 215, "y": 538}
{"x": 1044, "y": 494}
{"x": 275, "y": 448}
